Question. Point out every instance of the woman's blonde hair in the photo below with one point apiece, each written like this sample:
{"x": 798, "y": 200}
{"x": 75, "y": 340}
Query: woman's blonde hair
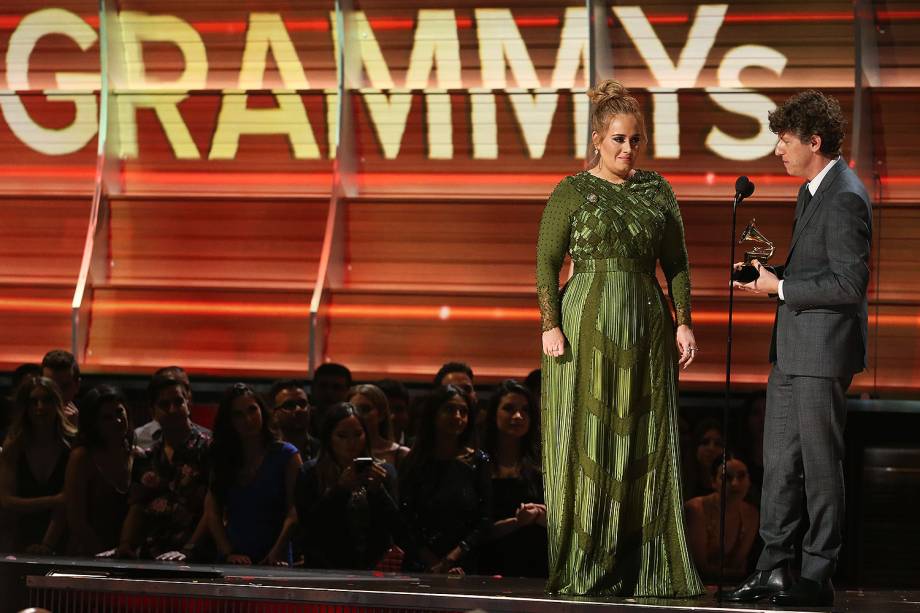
{"x": 22, "y": 430}
{"x": 609, "y": 98}
{"x": 380, "y": 402}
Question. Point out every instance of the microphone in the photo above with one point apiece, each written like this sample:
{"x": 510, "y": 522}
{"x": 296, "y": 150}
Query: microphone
{"x": 744, "y": 187}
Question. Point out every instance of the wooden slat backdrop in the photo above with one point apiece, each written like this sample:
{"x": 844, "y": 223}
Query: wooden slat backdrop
{"x": 41, "y": 242}
{"x": 220, "y": 284}
{"x": 197, "y": 280}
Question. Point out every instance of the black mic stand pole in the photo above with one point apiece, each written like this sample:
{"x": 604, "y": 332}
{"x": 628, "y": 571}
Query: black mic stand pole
{"x": 728, "y": 395}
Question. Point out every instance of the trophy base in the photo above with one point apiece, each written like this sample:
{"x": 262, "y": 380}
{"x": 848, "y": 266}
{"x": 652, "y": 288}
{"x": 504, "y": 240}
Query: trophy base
{"x": 745, "y": 274}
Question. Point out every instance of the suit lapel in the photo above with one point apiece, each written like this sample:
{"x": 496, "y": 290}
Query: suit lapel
{"x": 802, "y": 218}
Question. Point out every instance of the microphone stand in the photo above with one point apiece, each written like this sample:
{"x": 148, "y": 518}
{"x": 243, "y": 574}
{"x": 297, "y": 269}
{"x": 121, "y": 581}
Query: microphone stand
{"x": 728, "y": 395}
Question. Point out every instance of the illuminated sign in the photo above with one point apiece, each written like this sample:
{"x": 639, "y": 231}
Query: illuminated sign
{"x": 465, "y": 70}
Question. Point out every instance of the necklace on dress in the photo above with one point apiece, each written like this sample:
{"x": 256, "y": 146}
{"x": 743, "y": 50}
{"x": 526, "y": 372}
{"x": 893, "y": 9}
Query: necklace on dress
{"x": 115, "y": 486}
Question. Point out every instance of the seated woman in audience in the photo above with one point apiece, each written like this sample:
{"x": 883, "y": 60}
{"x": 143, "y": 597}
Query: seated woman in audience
{"x": 741, "y": 522}
{"x": 32, "y": 467}
{"x": 99, "y": 473}
{"x": 347, "y": 506}
{"x": 446, "y": 487}
{"x": 518, "y": 542}
{"x": 166, "y": 514}
{"x": 372, "y": 406}
{"x": 251, "y": 501}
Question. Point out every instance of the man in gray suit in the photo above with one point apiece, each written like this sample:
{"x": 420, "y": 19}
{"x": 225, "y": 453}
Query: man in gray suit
{"x": 819, "y": 343}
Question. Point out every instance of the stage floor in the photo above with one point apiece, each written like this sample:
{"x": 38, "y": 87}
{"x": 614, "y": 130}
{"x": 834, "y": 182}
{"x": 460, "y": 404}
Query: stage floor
{"x": 71, "y": 585}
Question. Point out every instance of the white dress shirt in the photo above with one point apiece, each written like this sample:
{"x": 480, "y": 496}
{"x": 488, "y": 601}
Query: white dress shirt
{"x": 812, "y": 186}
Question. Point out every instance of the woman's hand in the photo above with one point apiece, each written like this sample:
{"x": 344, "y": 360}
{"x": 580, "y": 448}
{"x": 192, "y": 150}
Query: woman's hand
{"x": 172, "y": 556}
{"x": 375, "y": 476}
{"x": 275, "y": 558}
{"x": 526, "y": 515}
{"x": 240, "y": 559}
{"x": 686, "y": 346}
{"x": 553, "y": 342}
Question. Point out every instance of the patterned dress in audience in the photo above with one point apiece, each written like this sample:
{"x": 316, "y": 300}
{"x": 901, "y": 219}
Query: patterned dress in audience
{"x": 172, "y": 493}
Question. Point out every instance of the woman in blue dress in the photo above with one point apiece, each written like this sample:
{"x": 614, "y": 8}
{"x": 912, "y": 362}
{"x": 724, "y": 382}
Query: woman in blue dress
{"x": 251, "y": 501}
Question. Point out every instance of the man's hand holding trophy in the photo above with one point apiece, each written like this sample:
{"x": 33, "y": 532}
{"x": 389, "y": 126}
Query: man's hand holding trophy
{"x": 753, "y": 275}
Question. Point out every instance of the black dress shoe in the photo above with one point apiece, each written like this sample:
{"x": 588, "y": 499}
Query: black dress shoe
{"x": 761, "y": 584}
{"x": 806, "y": 593}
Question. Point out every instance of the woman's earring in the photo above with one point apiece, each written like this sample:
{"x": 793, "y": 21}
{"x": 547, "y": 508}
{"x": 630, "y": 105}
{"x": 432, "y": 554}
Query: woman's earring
{"x": 596, "y": 150}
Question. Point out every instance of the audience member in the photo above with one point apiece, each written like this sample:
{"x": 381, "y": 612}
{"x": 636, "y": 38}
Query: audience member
{"x": 144, "y": 436}
{"x": 251, "y": 502}
{"x": 346, "y": 501}
{"x": 398, "y": 399}
{"x": 291, "y": 413}
{"x": 99, "y": 473}
{"x": 331, "y": 383}
{"x": 372, "y": 406}
{"x": 22, "y": 373}
{"x": 517, "y": 546}
{"x": 741, "y": 522}
{"x": 166, "y": 514}
{"x": 32, "y": 467}
{"x": 61, "y": 367}
{"x": 707, "y": 439}
{"x": 446, "y": 487}
{"x": 460, "y": 375}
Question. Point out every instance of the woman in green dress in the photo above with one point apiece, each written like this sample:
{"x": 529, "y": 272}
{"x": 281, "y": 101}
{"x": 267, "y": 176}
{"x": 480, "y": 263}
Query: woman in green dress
{"x": 611, "y": 354}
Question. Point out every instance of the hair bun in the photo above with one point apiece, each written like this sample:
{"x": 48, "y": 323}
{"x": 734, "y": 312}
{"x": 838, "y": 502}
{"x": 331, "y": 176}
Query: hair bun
{"x": 608, "y": 89}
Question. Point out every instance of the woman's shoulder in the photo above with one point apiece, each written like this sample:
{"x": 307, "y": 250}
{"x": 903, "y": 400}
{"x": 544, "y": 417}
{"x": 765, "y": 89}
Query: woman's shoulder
{"x": 80, "y": 456}
{"x": 654, "y": 182}
{"x": 568, "y": 186}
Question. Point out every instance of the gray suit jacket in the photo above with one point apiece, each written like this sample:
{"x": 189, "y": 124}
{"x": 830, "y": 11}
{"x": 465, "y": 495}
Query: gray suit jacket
{"x": 821, "y": 329}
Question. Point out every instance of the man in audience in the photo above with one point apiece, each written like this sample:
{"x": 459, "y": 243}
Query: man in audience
{"x": 144, "y": 436}
{"x": 167, "y": 497}
{"x": 460, "y": 375}
{"x": 291, "y": 411}
{"x": 331, "y": 383}
{"x": 61, "y": 367}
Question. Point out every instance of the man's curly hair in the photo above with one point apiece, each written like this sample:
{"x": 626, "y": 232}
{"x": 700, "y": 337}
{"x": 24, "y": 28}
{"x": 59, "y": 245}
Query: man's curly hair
{"x": 811, "y": 113}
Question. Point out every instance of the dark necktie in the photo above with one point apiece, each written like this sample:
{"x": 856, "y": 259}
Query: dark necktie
{"x": 806, "y": 200}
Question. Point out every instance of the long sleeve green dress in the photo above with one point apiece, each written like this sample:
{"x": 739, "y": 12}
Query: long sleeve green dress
{"x": 609, "y": 403}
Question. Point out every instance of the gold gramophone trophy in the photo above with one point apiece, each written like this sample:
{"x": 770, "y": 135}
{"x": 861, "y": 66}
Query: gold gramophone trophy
{"x": 759, "y": 248}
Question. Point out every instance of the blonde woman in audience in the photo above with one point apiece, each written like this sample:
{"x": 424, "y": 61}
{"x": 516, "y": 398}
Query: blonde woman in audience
{"x": 32, "y": 467}
{"x": 372, "y": 405}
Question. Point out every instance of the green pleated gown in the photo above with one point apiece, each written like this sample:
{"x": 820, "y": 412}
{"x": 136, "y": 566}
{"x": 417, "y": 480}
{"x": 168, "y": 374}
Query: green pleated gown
{"x": 609, "y": 404}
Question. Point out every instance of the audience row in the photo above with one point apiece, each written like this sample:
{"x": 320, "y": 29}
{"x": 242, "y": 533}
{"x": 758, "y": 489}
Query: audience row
{"x": 280, "y": 480}
{"x": 347, "y": 477}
